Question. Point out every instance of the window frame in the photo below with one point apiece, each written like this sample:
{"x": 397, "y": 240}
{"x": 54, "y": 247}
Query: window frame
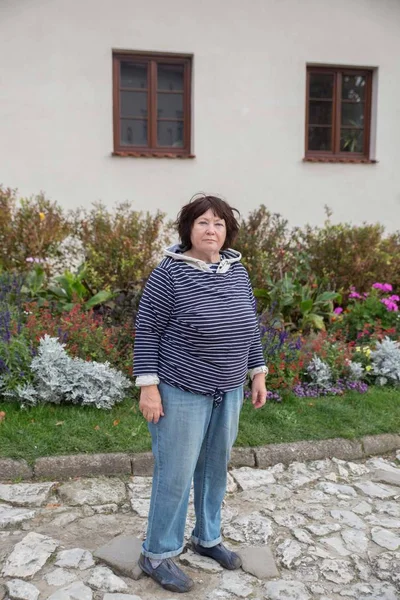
{"x": 336, "y": 155}
{"x": 152, "y": 59}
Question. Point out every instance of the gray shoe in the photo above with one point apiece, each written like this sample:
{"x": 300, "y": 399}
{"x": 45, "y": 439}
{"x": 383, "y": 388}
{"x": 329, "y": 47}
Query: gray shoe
{"x": 167, "y": 574}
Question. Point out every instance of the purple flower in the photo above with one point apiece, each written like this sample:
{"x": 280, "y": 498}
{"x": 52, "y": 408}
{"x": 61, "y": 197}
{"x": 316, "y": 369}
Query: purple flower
{"x": 394, "y": 298}
{"x": 390, "y": 305}
{"x": 355, "y": 295}
{"x": 338, "y": 310}
{"x": 384, "y": 287}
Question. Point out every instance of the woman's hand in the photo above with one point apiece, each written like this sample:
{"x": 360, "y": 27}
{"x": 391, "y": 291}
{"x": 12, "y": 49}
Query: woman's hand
{"x": 150, "y": 404}
{"x": 258, "y": 390}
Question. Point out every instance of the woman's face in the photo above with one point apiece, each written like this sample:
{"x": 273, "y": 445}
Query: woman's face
{"x": 208, "y": 233}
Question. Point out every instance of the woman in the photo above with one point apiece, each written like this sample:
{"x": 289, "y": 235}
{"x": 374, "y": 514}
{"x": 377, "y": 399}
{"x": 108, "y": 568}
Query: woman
{"x": 196, "y": 339}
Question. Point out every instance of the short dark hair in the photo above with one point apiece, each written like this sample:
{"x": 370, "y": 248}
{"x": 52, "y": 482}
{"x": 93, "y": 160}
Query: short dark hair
{"x": 197, "y": 206}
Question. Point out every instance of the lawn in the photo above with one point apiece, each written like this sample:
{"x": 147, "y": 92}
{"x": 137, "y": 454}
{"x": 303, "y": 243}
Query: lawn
{"x": 48, "y": 430}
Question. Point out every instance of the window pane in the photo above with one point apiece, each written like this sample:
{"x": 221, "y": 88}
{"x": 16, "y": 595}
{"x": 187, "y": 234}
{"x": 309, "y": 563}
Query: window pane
{"x": 321, "y": 85}
{"x": 133, "y": 132}
{"x": 320, "y": 138}
{"x": 170, "y": 77}
{"x": 352, "y": 140}
{"x": 170, "y": 105}
{"x": 170, "y": 133}
{"x": 320, "y": 113}
{"x": 133, "y": 75}
{"x": 353, "y": 114}
{"x": 133, "y": 104}
{"x": 353, "y": 87}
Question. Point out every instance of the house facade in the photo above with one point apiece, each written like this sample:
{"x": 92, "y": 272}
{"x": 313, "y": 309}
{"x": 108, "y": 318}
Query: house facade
{"x": 294, "y": 104}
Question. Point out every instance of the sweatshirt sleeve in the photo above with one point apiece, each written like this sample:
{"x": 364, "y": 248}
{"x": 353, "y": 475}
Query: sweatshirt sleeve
{"x": 155, "y": 308}
{"x": 256, "y": 355}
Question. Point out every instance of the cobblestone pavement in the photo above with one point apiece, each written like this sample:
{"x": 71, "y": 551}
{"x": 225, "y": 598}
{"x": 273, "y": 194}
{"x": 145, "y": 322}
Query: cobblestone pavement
{"x": 321, "y": 530}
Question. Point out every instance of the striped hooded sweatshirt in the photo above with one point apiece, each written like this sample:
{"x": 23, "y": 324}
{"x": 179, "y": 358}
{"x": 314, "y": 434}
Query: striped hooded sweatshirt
{"x": 196, "y": 327}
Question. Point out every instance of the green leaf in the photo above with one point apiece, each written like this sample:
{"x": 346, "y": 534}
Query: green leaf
{"x": 306, "y": 306}
{"x": 99, "y": 298}
{"x": 327, "y": 297}
{"x": 260, "y": 293}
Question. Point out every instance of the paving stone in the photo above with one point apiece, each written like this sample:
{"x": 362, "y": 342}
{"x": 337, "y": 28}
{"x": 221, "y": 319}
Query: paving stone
{"x": 29, "y": 556}
{"x": 242, "y": 457}
{"x": 142, "y": 463}
{"x": 389, "y": 507}
{"x": 3, "y": 591}
{"x": 75, "y": 558}
{"x": 338, "y": 571}
{"x": 236, "y": 583}
{"x": 22, "y": 590}
{"x": 385, "y": 522}
{"x": 140, "y": 487}
{"x": 122, "y": 555}
{"x": 335, "y": 543}
{"x": 363, "y": 508}
{"x": 384, "y": 476}
{"x": 231, "y": 485}
{"x": 323, "y": 528}
{"x": 357, "y": 469}
{"x": 290, "y": 520}
{"x": 252, "y": 528}
{"x": 103, "y": 579}
{"x": 141, "y": 506}
{"x": 302, "y": 536}
{"x": 106, "y": 509}
{"x": 60, "y": 577}
{"x": 347, "y": 517}
{"x": 286, "y": 590}
{"x": 203, "y": 563}
{"x": 65, "y": 519}
{"x": 259, "y": 561}
{"x": 333, "y": 489}
{"x": 74, "y": 591}
{"x": 288, "y": 551}
{"x": 355, "y": 540}
{"x": 123, "y": 597}
{"x": 93, "y": 491}
{"x": 386, "y": 566}
{"x": 248, "y": 478}
{"x": 379, "y": 591}
{"x": 26, "y": 494}
{"x": 11, "y": 515}
{"x": 375, "y": 490}
{"x": 385, "y": 538}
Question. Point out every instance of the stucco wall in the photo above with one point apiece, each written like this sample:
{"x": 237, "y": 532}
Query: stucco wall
{"x": 249, "y": 102}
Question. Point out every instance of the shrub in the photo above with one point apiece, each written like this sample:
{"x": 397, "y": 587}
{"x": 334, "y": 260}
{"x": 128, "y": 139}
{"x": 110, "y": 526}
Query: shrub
{"x": 59, "y": 378}
{"x": 268, "y": 247}
{"x": 122, "y": 246}
{"x": 350, "y": 255}
{"x": 30, "y": 228}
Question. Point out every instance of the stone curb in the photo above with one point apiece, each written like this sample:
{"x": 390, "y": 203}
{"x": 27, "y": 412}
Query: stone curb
{"x": 89, "y": 465}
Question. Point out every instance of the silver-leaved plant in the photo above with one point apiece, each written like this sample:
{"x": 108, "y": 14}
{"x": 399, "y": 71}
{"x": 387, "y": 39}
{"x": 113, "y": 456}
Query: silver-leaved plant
{"x": 60, "y": 378}
{"x": 319, "y": 372}
{"x": 386, "y": 362}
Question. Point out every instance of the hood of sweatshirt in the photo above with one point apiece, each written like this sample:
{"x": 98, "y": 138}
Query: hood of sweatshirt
{"x": 228, "y": 258}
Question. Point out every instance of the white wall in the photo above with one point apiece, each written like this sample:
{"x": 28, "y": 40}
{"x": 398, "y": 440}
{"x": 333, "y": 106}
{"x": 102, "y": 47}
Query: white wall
{"x": 249, "y": 102}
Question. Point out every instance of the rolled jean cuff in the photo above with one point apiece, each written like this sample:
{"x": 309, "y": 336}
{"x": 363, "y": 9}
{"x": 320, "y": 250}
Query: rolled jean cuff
{"x": 208, "y": 544}
{"x": 162, "y": 555}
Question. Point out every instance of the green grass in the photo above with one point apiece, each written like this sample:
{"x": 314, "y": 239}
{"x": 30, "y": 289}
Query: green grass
{"x": 50, "y": 430}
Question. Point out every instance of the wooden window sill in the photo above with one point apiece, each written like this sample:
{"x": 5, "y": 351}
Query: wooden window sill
{"x": 339, "y": 159}
{"x": 141, "y": 154}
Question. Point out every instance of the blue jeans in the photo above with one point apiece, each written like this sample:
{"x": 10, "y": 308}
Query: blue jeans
{"x": 192, "y": 441}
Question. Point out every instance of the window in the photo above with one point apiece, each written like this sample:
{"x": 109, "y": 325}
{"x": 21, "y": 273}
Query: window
{"x": 338, "y": 113}
{"x": 152, "y": 103}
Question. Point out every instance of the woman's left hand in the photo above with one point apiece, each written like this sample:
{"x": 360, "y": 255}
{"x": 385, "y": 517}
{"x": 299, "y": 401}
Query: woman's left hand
{"x": 258, "y": 391}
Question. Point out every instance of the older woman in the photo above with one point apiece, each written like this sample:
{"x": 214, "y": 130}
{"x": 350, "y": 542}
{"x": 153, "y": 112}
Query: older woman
{"x": 196, "y": 340}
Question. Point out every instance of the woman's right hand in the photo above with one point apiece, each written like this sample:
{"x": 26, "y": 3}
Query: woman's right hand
{"x": 150, "y": 404}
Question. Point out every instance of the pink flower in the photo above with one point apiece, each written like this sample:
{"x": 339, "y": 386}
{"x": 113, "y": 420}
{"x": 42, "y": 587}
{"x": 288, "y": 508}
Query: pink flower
{"x": 394, "y": 298}
{"x": 384, "y": 287}
{"x": 390, "y": 305}
{"x": 338, "y": 310}
{"x": 355, "y": 295}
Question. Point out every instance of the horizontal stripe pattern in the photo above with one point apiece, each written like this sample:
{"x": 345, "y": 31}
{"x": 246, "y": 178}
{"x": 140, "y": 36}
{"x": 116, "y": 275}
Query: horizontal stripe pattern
{"x": 197, "y": 330}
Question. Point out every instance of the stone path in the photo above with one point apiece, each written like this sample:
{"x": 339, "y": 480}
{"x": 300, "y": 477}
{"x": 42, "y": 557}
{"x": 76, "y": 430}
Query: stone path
{"x": 321, "y": 530}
